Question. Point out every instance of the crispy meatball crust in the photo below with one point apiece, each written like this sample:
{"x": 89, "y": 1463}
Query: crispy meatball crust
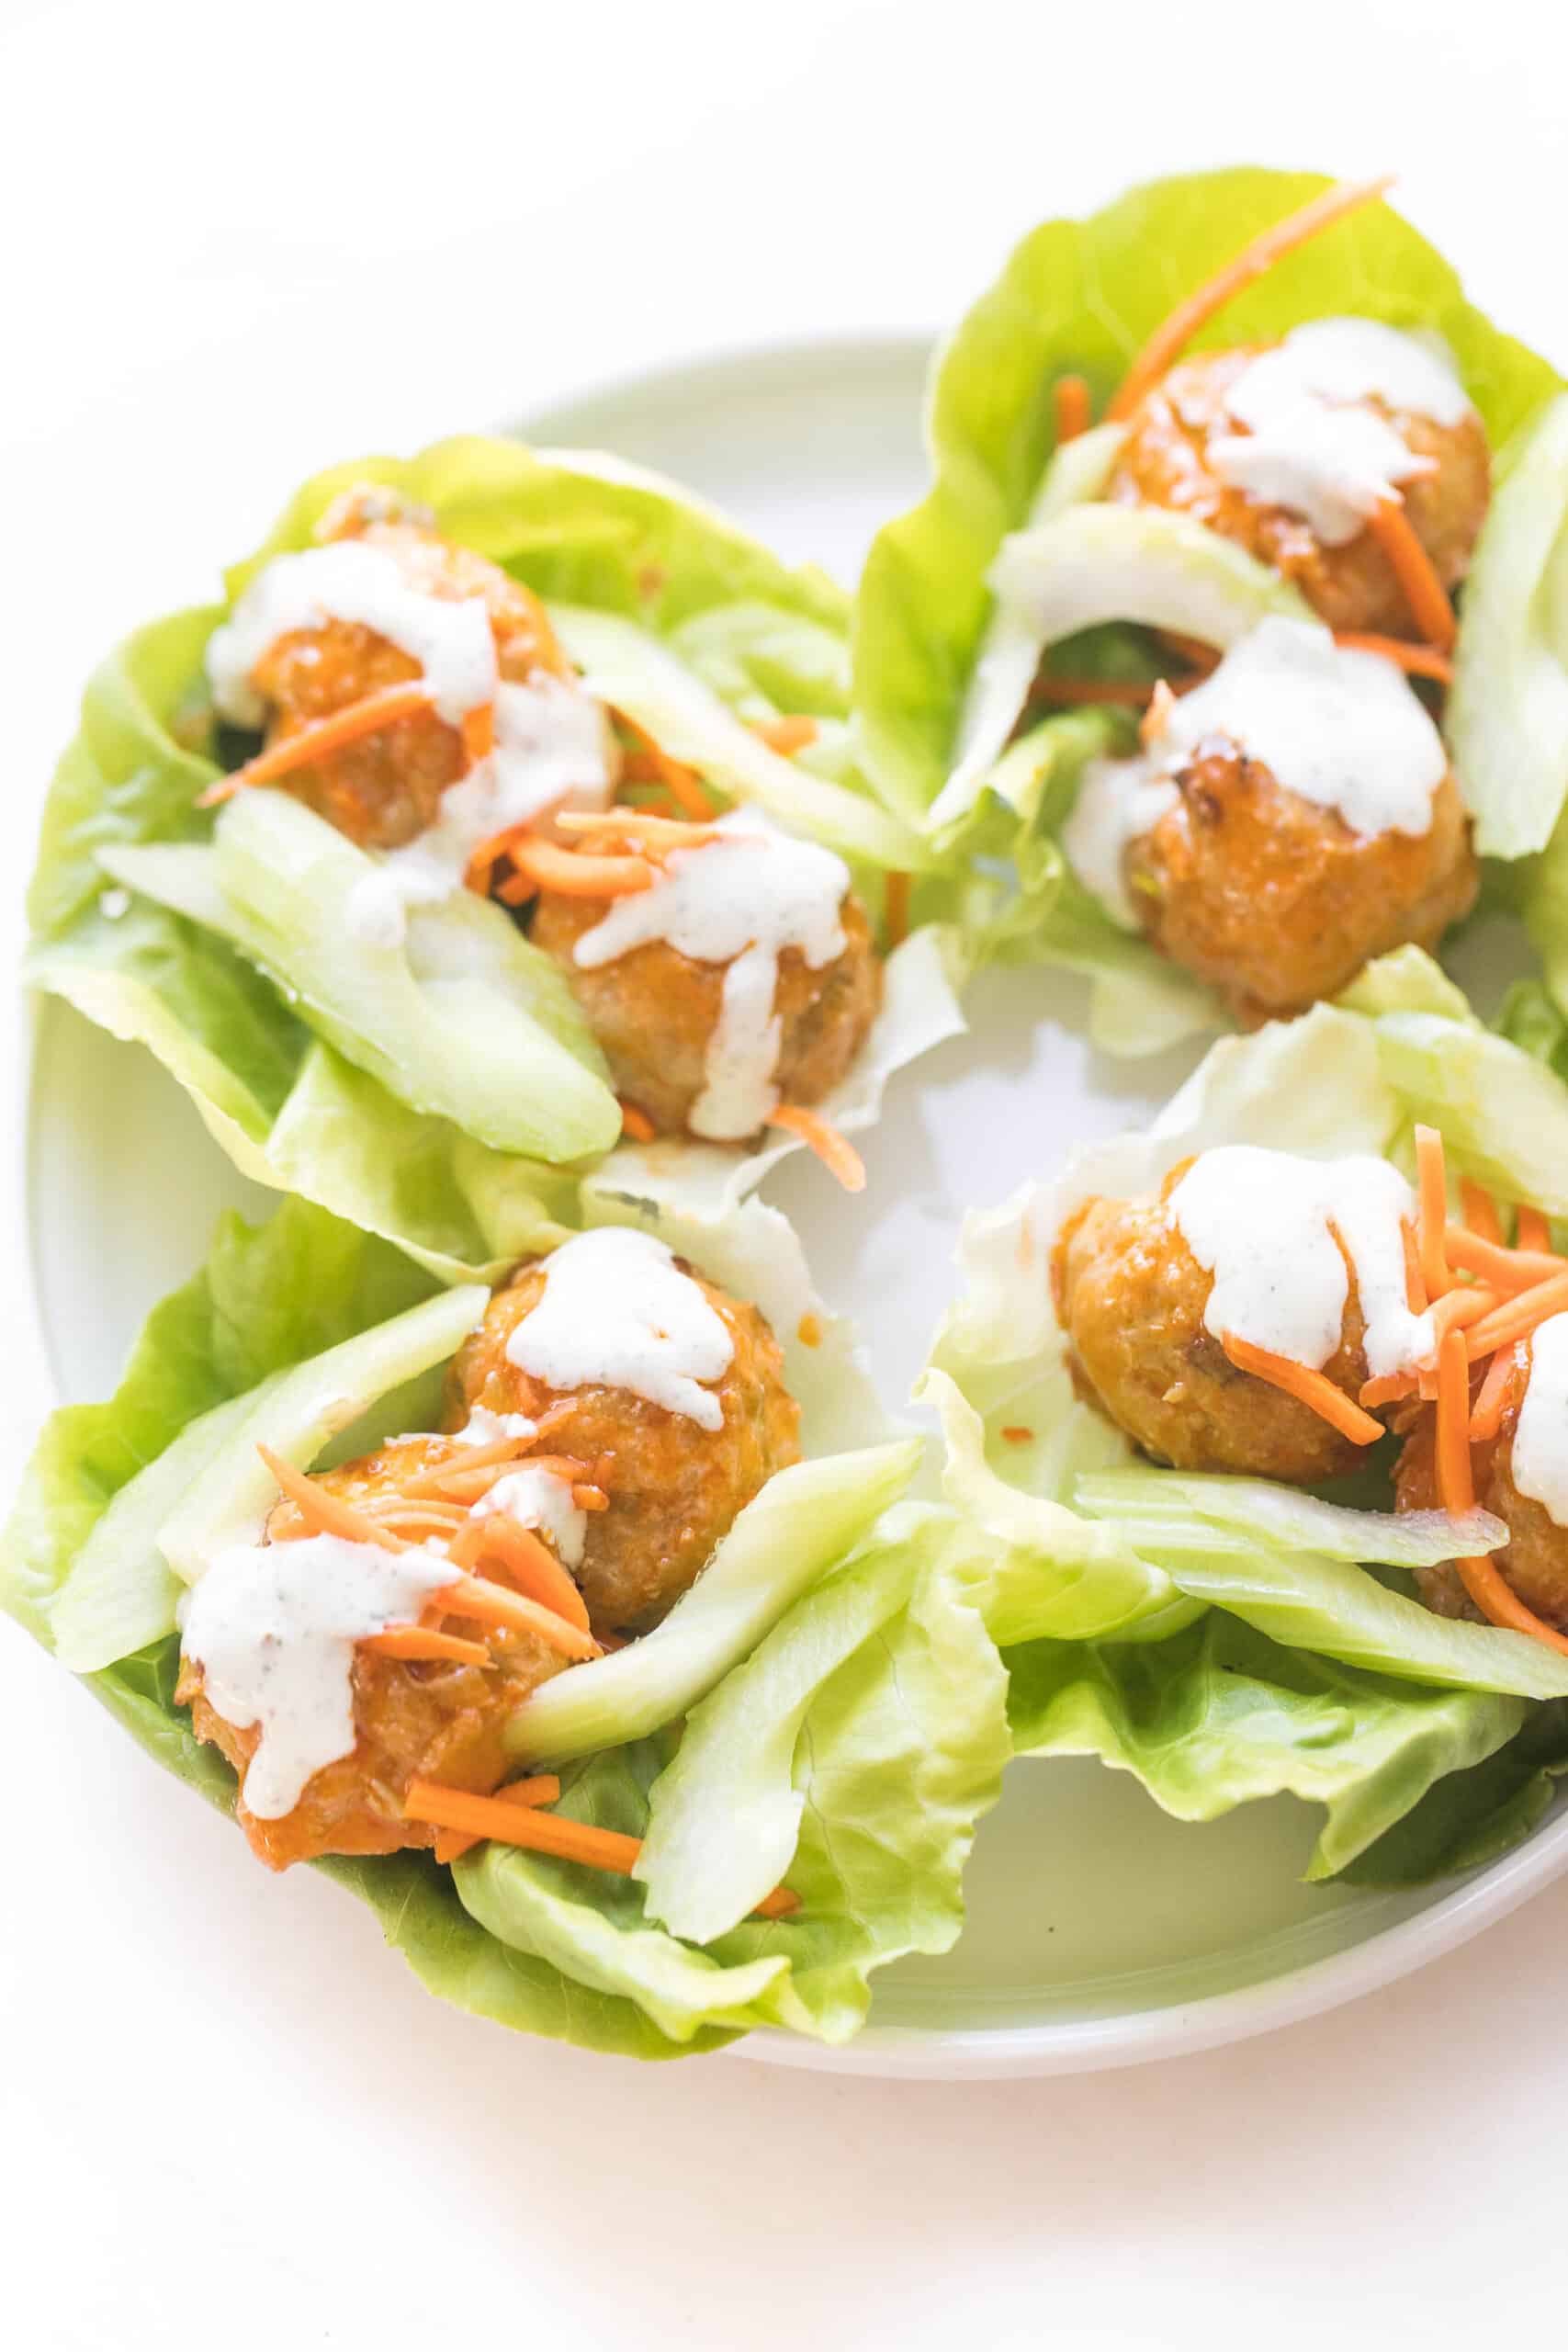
{"x": 386, "y": 788}
{"x": 675, "y": 1487}
{"x": 1277, "y": 903}
{"x": 1164, "y": 462}
{"x": 653, "y": 1011}
{"x": 1130, "y": 1296}
{"x": 1535, "y": 1559}
{"x": 412, "y": 1719}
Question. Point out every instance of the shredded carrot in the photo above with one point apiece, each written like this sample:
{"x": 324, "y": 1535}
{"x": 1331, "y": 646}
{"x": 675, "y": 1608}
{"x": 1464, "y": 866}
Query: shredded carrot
{"x": 1414, "y": 1286}
{"x": 786, "y": 736}
{"x": 559, "y": 1466}
{"x": 496, "y": 1604}
{"x": 322, "y": 736}
{"x": 1412, "y": 566}
{"x": 639, "y": 825}
{"x": 1017, "y": 1435}
{"x": 532, "y": 1566}
{"x": 420, "y": 1520}
{"x": 543, "y": 1787}
{"x": 1486, "y": 1414}
{"x": 1155, "y": 719}
{"x": 478, "y": 873}
{"x": 545, "y": 866}
{"x": 468, "y": 1459}
{"x": 834, "y": 1150}
{"x": 326, "y": 1513}
{"x": 1387, "y": 1386}
{"x": 588, "y": 1497}
{"x": 1073, "y": 412}
{"x": 1517, "y": 1318}
{"x": 478, "y": 732}
{"x": 896, "y": 909}
{"x": 1481, "y": 1215}
{"x": 1531, "y": 1230}
{"x": 809, "y": 1332}
{"x": 1508, "y": 1268}
{"x": 546, "y": 1833}
{"x": 636, "y": 1124}
{"x": 1432, "y": 1191}
{"x": 680, "y": 782}
{"x": 1191, "y": 316}
{"x": 1497, "y": 1601}
{"x": 1311, "y": 1387}
{"x": 1456, "y": 1484}
{"x": 1466, "y": 1304}
{"x": 1416, "y": 661}
{"x": 426, "y": 1641}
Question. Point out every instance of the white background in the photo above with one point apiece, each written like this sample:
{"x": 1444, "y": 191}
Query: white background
{"x": 238, "y": 245}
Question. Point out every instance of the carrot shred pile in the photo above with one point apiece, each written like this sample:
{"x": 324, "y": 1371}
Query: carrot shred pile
{"x": 835, "y": 1151}
{"x": 1071, "y": 401}
{"x": 522, "y": 1822}
{"x": 572, "y": 874}
{"x": 1191, "y": 316}
{"x": 1412, "y": 566}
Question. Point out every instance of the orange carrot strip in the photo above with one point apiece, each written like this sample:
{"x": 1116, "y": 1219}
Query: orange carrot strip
{"x": 809, "y": 1330}
{"x": 1431, "y": 1185}
{"x": 1074, "y": 415}
{"x": 1312, "y": 1388}
{"x": 495, "y": 1604}
{"x": 1467, "y": 1303}
{"x": 1416, "y": 661}
{"x": 1414, "y": 1284}
{"x": 466, "y": 1459}
{"x": 1017, "y": 1435}
{"x": 542, "y": 1788}
{"x": 1481, "y": 1215}
{"x": 322, "y": 736}
{"x": 896, "y": 909}
{"x": 636, "y": 1124}
{"x": 328, "y": 1514}
{"x": 559, "y": 1466}
{"x": 1191, "y": 316}
{"x": 547, "y": 867}
{"x": 680, "y": 782}
{"x": 588, "y": 1497}
{"x": 1508, "y": 1268}
{"x": 1497, "y": 1601}
{"x": 478, "y": 872}
{"x": 517, "y": 1823}
{"x": 834, "y": 1150}
{"x": 637, "y": 824}
{"x": 1518, "y": 1316}
{"x": 534, "y": 1568}
{"x": 1387, "y": 1386}
{"x": 478, "y": 732}
{"x": 1486, "y": 1414}
{"x": 1456, "y": 1482}
{"x": 785, "y": 736}
{"x": 426, "y": 1641}
{"x": 1531, "y": 1230}
{"x": 1412, "y": 566}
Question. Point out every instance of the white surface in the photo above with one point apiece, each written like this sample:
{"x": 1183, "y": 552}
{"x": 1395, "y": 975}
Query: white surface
{"x": 215, "y": 247}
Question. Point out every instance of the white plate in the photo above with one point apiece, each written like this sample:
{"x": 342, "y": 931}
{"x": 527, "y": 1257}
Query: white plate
{"x": 1100, "y": 1931}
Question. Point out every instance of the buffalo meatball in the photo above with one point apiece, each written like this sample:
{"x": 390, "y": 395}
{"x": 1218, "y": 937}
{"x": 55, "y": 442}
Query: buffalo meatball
{"x": 655, "y": 1011}
{"x": 1130, "y": 1296}
{"x": 1277, "y": 903}
{"x": 673, "y": 1487}
{"x": 413, "y": 1719}
{"x": 385, "y": 788}
{"x": 1166, "y": 461}
{"x": 1534, "y": 1561}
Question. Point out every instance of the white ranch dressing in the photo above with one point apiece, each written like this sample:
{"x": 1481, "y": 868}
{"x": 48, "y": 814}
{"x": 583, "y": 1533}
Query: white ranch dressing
{"x": 536, "y": 1497}
{"x": 273, "y": 1628}
{"x": 617, "y": 1312}
{"x": 1540, "y": 1434}
{"x": 449, "y": 637}
{"x": 483, "y": 1427}
{"x": 554, "y": 748}
{"x": 1336, "y": 725}
{"x": 739, "y": 901}
{"x": 1263, "y": 1223}
{"x": 1312, "y": 444}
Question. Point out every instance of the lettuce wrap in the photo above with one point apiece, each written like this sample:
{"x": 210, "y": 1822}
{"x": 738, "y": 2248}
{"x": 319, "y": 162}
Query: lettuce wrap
{"x": 445, "y": 1091}
{"x": 845, "y": 1705}
{"x": 1224, "y": 1637}
{"x": 1009, "y": 552}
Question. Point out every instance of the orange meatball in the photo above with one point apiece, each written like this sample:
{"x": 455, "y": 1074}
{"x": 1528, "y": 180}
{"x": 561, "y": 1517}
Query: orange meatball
{"x": 1274, "y": 900}
{"x": 654, "y": 1011}
{"x": 1130, "y": 1295}
{"x": 413, "y": 1719}
{"x": 1164, "y": 461}
{"x": 675, "y": 1487}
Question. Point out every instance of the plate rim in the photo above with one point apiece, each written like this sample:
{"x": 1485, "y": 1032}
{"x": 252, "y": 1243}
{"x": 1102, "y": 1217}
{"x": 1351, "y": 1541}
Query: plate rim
{"x": 1068, "y": 2045}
